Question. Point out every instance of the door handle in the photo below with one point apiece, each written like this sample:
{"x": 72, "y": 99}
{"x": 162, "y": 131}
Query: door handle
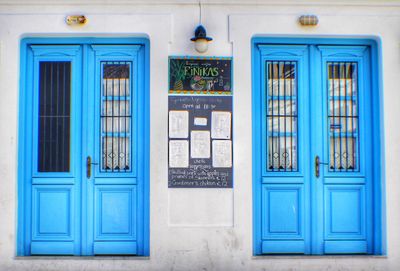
{"x": 89, "y": 166}
{"x": 317, "y": 164}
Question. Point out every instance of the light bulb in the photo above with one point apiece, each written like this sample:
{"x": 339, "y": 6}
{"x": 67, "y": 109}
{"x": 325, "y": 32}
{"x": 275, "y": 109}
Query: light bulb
{"x": 201, "y": 45}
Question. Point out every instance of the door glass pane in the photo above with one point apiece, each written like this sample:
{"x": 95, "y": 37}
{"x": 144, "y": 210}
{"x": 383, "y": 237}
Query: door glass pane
{"x": 116, "y": 118}
{"x": 116, "y": 122}
{"x": 281, "y": 116}
{"x": 284, "y": 156}
{"x": 54, "y": 116}
{"x": 116, "y": 148}
{"x": 343, "y": 116}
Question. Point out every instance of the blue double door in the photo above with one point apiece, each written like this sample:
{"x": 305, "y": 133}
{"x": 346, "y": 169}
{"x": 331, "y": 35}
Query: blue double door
{"x": 85, "y": 144}
{"x": 313, "y": 168}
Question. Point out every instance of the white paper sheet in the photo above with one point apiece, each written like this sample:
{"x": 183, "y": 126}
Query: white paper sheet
{"x": 200, "y": 121}
{"x": 222, "y": 153}
{"x": 200, "y": 144}
{"x": 178, "y": 124}
{"x": 221, "y": 125}
{"x": 178, "y": 153}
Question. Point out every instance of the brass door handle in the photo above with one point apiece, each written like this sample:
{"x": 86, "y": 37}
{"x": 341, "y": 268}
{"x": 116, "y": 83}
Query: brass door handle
{"x": 89, "y": 166}
{"x": 317, "y": 164}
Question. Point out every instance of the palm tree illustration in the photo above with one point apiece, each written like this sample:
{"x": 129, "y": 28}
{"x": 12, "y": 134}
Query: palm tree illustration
{"x": 178, "y": 73}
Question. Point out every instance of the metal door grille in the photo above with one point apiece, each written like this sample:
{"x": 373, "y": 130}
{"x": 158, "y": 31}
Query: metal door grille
{"x": 281, "y": 116}
{"x": 54, "y": 116}
{"x": 116, "y": 118}
{"x": 343, "y": 116}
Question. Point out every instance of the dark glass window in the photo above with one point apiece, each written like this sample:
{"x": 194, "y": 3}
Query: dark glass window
{"x": 54, "y": 116}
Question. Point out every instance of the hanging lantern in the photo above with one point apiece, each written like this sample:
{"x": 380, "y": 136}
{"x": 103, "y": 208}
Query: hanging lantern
{"x": 200, "y": 39}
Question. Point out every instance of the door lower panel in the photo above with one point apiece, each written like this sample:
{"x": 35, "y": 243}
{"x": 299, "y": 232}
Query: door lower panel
{"x": 115, "y": 248}
{"x": 346, "y": 247}
{"x": 52, "y": 248}
{"x": 283, "y": 247}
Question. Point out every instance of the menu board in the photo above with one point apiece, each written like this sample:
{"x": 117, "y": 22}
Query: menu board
{"x": 200, "y": 75}
{"x": 200, "y": 122}
{"x": 200, "y": 141}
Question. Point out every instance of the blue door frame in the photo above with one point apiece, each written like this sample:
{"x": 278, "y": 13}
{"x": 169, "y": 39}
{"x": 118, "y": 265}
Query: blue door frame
{"x": 85, "y": 197}
{"x": 313, "y": 233}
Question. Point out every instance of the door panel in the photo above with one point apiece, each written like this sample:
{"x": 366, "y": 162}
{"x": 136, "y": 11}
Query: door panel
{"x": 115, "y": 248}
{"x": 346, "y": 247}
{"x": 53, "y": 212}
{"x": 284, "y": 208}
{"x": 55, "y": 181}
{"x": 115, "y": 212}
{"x": 56, "y": 80}
{"x": 283, "y": 110}
{"x": 345, "y": 212}
{"x": 53, "y": 220}
{"x": 283, "y": 215}
{"x": 284, "y": 218}
{"x": 114, "y": 134}
{"x": 346, "y": 177}
{"x": 346, "y": 91}
{"x": 116, "y": 113}
{"x": 115, "y": 219}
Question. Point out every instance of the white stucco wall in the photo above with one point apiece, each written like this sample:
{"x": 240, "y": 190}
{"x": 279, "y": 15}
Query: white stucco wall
{"x": 217, "y": 234}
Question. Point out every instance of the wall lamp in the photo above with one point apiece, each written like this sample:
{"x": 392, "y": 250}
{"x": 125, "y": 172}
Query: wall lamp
{"x": 308, "y": 20}
{"x": 200, "y": 39}
{"x": 200, "y": 36}
{"x": 76, "y": 20}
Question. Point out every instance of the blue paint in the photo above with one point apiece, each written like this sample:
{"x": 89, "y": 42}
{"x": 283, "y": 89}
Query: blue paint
{"x": 320, "y": 228}
{"x": 378, "y": 149}
{"x": 301, "y": 209}
{"x": 84, "y": 223}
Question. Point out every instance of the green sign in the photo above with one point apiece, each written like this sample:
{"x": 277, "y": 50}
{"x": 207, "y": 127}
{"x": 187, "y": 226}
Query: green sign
{"x": 200, "y": 75}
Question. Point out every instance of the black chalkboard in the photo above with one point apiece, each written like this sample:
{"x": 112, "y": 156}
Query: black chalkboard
{"x": 200, "y": 75}
{"x": 200, "y": 111}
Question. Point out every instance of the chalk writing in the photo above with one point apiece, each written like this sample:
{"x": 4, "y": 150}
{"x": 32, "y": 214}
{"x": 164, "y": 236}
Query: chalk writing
{"x": 200, "y": 170}
{"x": 198, "y": 75}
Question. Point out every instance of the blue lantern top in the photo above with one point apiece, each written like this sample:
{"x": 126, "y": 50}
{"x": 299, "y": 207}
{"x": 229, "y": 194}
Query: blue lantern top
{"x": 200, "y": 33}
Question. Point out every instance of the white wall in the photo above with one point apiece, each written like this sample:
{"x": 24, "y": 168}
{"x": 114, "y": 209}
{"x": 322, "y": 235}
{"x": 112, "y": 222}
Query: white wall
{"x": 209, "y": 237}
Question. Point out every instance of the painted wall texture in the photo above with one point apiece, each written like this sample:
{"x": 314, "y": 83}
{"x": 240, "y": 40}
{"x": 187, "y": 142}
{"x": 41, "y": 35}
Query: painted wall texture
{"x": 198, "y": 229}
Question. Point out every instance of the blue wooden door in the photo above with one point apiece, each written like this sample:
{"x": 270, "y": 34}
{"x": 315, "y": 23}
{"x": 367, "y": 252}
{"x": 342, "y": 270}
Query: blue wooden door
{"x": 312, "y": 138}
{"x": 52, "y": 162}
{"x": 342, "y": 142}
{"x": 285, "y": 175}
{"x": 87, "y": 143}
{"x": 115, "y": 138}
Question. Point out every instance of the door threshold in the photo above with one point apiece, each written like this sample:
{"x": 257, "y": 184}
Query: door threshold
{"x": 348, "y": 256}
{"x": 59, "y": 257}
